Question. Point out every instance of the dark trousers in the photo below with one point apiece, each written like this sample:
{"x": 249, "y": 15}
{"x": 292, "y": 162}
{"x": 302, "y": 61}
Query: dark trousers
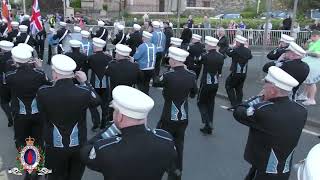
{"x": 64, "y": 163}
{"x": 159, "y": 57}
{"x": 255, "y": 174}
{"x": 196, "y": 68}
{"x": 144, "y": 85}
{"x": 206, "y": 101}
{"x": 234, "y": 86}
{"x": 177, "y": 130}
{"x": 25, "y": 126}
{"x": 103, "y": 93}
{"x": 5, "y": 97}
{"x": 60, "y": 51}
{"x": 40, "y": 49}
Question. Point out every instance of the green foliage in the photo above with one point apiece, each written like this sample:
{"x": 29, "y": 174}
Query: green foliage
{"x": 75, "y": 3}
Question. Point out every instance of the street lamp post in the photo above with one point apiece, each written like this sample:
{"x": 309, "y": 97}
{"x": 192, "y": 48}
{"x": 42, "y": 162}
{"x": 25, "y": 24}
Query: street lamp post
{"x": 294, "y": 15}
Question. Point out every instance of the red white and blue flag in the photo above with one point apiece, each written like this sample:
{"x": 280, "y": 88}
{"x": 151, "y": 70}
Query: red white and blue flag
{"x": 6, "y": 13}
{"x": 35, "y": 25}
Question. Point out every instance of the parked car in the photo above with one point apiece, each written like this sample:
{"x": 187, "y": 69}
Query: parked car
{"x": 231, "y": 16}
{"x": 219, "y": 16}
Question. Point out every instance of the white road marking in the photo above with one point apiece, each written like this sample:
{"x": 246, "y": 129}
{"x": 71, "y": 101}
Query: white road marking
{"x": 224, "y": 107}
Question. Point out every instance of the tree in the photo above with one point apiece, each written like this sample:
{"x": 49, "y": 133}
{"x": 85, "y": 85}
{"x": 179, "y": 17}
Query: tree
{"x": 303, "y": 5}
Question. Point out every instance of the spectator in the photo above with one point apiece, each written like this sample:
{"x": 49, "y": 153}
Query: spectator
{"x": 169, "y": 33}
{"x": 269, "y": 26}
{"x": 231, "y": 33}
{"x": 206, "y": 22}
{"x": 287, "y": 23}
{"x": 190, "y": 22}
{"x": 315, "y": 26}
{"x": 242, "y": 25}
{"x": 295, "y": 30}
{"x": 186, "y": 36}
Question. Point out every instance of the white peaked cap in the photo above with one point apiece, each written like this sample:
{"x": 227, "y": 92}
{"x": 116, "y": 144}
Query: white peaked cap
{"x": 309, "y": 170}
{"x": 241, "y": 39}
{"x": 64, "y": 24}
{"x": 131, "y": 102}
{"x": 294, "y": 47}
{"x": 14, "y": 24}
{"x": 136, "y": 27}
{"x": 175, "y": 41}
{"x": 146, "y": 34}
{"x": 211, "y": 41}
{"x": 63, "y": 64}
{"x": 26, "y": 46}
{"x": 6, "y": 45}
{"x": 123, "y": 50}
{"x": 101, "y": 23}
{"x": 23, "y": 28}
{"x": 281, "y": 79}
{"x": 156, "y": 24}
{"x": 20, "y": 55}
{"x": 196, "y": 37}
{"x": 85, "y": 33}
{"x": 98, "y": 42}
{"x": 178, "y": 54}
{"x": 287, "y": 39}
{"x": 25, "y": 17}
{"x": 77, "y": 29}
{"x": 120, "y": 27}
{"x": 75, "y": 43}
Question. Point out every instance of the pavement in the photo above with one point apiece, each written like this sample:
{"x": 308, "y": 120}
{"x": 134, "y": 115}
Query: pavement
{"x": 219, "y": 156}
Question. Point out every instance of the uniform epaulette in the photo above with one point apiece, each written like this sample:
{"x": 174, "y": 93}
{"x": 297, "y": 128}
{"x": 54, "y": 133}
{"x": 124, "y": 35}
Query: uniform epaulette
{"x": 263, "y": 104}
{"x": 45, "y": 87}
{"x": 38, "y": 71}
{"x": 83, "y": 87}
{"x": 192, "y": 72}
{"x": 11, "y": 73}
{"x": 170, "y": 71}
{"x": 162, "y": 134}
{"x": 103, "y": 143}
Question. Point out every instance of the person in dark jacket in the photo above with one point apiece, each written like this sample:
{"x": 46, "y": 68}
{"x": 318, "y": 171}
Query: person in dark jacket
{"x": 196, "y": 49}
{"x": 26, "y": 22}
{"x": 292, "y": 64}
{"x": 136, "y": 144}
{"x": 24, "y": 37}
{"x": 63, "y": 109}
{"x": 283, "y": 45}
{"x": 13, "y": 34}
{"x": 234, "y": 83}
{"x": 223, "y": 44}
{"x": 168, "y": 32}
{"x": 101, "y": 33}
{"x": 135, "y": 39}
{"x": 61, "y": 35}
{"x": 178, "y": 85}
{"x": 186, "y": 37}
{"x": 120, "y": 37}
{"x": 212, "y": 62}
{"x": 98, "y": 62}
{"x": 6, "y": 65}
{"x": 77, "y": 56}
{"x": 40, "y": 40}
{"x": 275, "y": 123}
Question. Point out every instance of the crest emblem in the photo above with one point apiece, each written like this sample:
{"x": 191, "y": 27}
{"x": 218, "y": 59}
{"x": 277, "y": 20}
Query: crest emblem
{"x": 30, "y": 159}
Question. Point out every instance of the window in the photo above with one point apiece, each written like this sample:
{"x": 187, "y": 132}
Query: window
{"x": 191, "y": 3}
{"x": 206, "y": 4}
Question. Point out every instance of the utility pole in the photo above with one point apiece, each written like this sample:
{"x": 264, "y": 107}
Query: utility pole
{"x": 266, "y": 32}
{"x": 294, "y": 15}
{"x": 24, "y": 6}
{"x": 179, "y": 12}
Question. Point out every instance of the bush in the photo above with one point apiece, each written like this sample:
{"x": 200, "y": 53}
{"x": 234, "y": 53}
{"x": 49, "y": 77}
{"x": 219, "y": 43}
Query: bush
{"x": 248, "y": 14}
{"x": 75, "y": 4}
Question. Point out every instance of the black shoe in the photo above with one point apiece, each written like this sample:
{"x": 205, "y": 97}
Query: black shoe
{"x": 10, "y": 123}
{"x": 95, "y": 128}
